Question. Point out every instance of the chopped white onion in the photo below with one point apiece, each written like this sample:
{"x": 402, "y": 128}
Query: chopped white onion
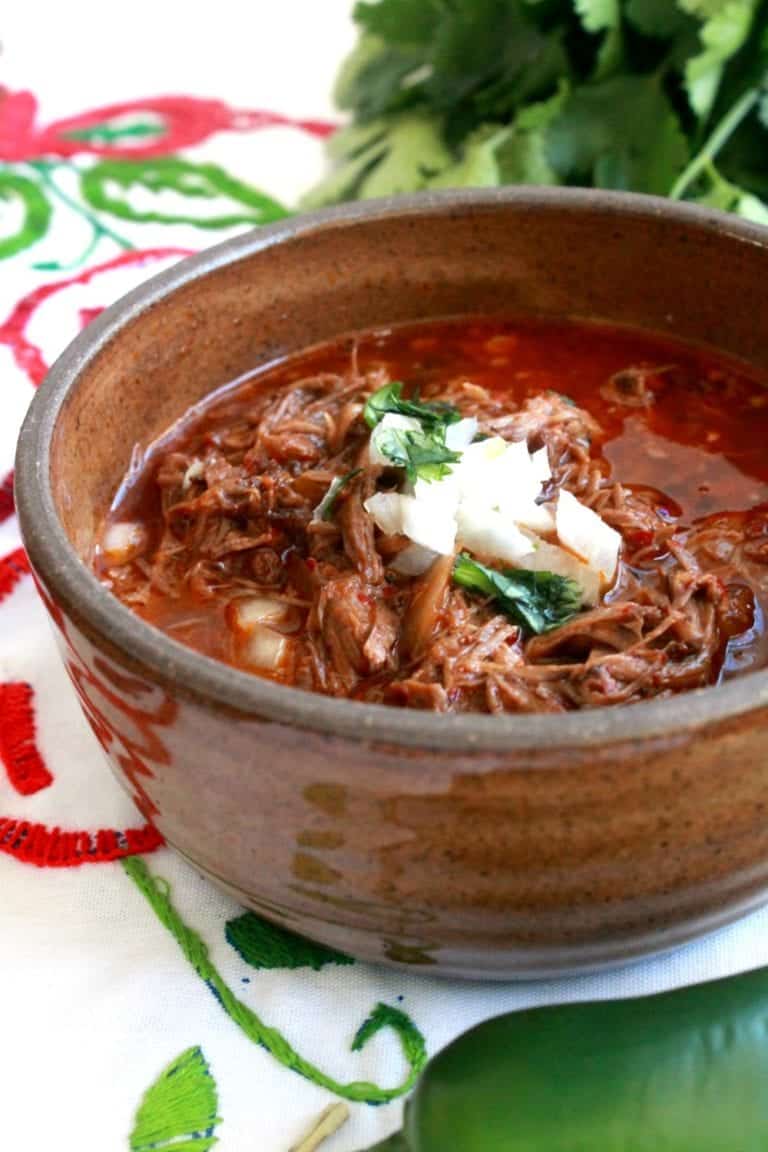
{"x": 490, "y": 533}
{"x": 264, "y": 648}
{"x": 247, "y": 613}
{"x": 193, "y": 472}
{"x": 584, "y": 533}
{"x": 540, "y": 464}
{"x": 545, "y": 557}
{"x": 392, "y": 421}
{"x": 413, "y": 560}
{"x": 421, "y": 522}
{"x": 529, "y": 514}
{"x": 443, "y": 495}
{"x": 460, "y": 435}
{"x": 488, "y": 504}
{"x": 123, "y": 542}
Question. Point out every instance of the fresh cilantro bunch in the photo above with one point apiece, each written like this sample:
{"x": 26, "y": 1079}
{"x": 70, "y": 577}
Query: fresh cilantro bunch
{"x": 660, "y": 96}
{"x": 537, "y": 601}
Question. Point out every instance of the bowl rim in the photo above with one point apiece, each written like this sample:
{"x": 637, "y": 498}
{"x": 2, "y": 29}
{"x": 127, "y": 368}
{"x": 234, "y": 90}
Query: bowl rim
{"x": 194, "y": 676}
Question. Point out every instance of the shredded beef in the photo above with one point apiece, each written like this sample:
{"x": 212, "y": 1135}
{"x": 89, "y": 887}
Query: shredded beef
{"x": 236, "y": 514}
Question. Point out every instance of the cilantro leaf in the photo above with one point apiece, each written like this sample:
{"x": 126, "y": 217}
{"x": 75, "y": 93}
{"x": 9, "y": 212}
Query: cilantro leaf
{"x": 478, "y": 166}
{"x": 620, "y": 133}
{"x": 515, "y": 154}
{"x": 381, "y": 158}
{"x": 523, "y": 156}
{"x": 327, "y": 506}
{"x": 399, "y": 21}
{"x": 370, "y": 80}
{"x": 423, "y": 452}
{"x": 603, "y": 17}
{"x": 414, "y": 151}
{"x": 390, "y": 399}
{"x": 658, "y": 18}
{"x": 722, "y": 36}
{"x": 537, "y": 601}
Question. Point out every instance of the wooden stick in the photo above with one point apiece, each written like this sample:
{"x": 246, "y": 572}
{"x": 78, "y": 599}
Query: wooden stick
{"x": 328, "y": 1122}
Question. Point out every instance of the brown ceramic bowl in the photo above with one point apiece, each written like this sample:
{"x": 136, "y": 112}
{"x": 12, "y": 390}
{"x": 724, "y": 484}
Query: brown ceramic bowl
{"x": 483, "y": 846}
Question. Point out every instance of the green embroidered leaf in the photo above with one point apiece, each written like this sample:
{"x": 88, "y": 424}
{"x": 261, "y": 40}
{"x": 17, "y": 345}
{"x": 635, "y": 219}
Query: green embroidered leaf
{"x": 264, "y": 945}
{"x": 178, "y": 1112}
{"x": 107, "y": 185}
{"x": 24, "y": 213}
{"x": 114, "y": 131}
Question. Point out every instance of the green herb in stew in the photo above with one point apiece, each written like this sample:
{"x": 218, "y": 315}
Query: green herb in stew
{"x": 423, "y": 452}
{"x": 327, "y": 506}
{"x": 537, "y": 601}
{"x": 390, "y": 399}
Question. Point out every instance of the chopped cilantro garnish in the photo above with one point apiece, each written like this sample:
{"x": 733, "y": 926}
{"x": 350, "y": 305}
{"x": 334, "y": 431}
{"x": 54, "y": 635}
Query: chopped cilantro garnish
{"x": 422, "y": 452}
{"x": 431, "y": 413}
{"x": 327, "y": 506}
{"x": 537, "y": 601}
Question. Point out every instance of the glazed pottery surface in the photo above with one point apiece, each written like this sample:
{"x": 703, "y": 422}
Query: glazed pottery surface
{"x": 473, "y": 845}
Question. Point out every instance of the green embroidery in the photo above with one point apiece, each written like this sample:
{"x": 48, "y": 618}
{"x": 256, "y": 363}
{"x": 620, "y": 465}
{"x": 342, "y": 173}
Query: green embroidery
{"x": 37, "y": 213}
{"x": 264, "y": 945}
{"x": 157, "y": 893}
{"x": 113, "y": 132}
{"x": 178, "y": 1112}
{"x": 46, "y": 170}
{"x": 103, "y": 184}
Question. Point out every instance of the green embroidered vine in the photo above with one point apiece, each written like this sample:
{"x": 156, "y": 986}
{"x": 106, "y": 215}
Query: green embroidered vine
{"x": 157, "y": 892}
{"x": 46, "y": 170}
{"x": 178, "y": 1111}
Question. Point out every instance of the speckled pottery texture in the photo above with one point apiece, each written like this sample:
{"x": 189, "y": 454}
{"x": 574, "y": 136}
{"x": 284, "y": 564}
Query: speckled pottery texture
{"x": 471, "y": 845}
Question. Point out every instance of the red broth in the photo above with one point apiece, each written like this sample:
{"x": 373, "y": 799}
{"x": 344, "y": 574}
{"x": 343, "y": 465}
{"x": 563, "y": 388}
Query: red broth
{"x": 682, "y": 432}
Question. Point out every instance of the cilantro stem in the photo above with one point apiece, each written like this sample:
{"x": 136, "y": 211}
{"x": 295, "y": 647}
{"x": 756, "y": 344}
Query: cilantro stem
{"x": 721, "y": 135}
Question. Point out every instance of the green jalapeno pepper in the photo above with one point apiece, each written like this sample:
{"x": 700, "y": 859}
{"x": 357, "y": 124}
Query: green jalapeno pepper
{"x": 682, "y": 1071}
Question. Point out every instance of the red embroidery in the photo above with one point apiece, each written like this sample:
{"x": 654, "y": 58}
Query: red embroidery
{"x": 13, "y": 333}
{"x": 182, "y": 121}
{"x": 58, "y": 848}
{"x": 12, "y": 568}
{"x": 89, "y": 314}
{"x": 7, "y": 506}
{"x": 18, "y": 750}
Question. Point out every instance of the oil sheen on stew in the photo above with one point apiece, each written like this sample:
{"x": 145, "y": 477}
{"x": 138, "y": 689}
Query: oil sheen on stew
{"x": 464, "y": 515}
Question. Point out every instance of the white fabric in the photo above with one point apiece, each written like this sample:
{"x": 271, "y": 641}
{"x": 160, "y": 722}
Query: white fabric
{"x": 95, "y": 995}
